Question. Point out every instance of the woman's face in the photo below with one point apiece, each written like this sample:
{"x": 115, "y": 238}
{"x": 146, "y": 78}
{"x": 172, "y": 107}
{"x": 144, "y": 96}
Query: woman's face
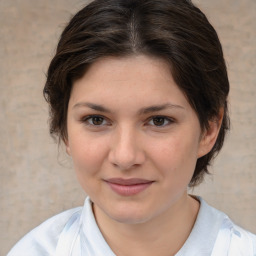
{"x": 133, "y": 137}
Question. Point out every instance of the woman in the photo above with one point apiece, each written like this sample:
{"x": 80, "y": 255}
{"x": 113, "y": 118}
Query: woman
{"x": 138, "y": 94}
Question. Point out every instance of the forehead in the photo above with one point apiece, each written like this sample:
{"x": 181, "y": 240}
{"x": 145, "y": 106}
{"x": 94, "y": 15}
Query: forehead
{"x": 129, "y": 68}
{"x": 135, "y": 80}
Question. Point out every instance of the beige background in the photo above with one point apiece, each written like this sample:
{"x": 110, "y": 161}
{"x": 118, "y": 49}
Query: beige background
{"x": 37, "y": 181}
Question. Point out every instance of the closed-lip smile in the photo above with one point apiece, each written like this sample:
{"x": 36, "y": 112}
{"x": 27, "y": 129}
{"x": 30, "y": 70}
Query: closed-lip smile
{"x": 128, "y": 187}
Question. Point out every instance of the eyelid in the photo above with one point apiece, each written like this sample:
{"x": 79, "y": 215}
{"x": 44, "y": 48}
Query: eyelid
{"x": 86, "y": 118}
{"x": 169, "y": 119}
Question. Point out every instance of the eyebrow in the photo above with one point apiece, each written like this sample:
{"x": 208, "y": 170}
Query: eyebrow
{"x": 93, "y": 106}
{"x": 145, "y": 110}
{"x": 156, "y": 108}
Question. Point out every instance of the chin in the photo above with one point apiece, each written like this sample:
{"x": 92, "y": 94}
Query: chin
{"x": 128, "y": 215}
{"x": 130, "y": 219}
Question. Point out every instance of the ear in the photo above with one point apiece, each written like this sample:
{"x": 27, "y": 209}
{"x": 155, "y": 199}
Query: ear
{"x": 210, "y": 135}
{"x": 66, "y": 142}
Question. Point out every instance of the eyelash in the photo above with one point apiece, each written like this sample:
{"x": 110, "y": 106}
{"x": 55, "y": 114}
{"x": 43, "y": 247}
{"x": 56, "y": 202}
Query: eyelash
{"x": 86, "y": 119}
{"x": 166, "y": 119}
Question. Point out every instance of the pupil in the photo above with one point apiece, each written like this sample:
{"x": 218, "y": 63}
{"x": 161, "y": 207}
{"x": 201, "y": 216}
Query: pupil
{"x": 158, "y": 121}
{"x": 97, "y": 120}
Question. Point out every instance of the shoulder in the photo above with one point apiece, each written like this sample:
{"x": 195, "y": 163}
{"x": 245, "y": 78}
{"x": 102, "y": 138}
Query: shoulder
{"x": 230, "y": 237}
{"x": 43, "y": 239}
{"x": 233, "y": 239}
{"x": 242, "y": 240}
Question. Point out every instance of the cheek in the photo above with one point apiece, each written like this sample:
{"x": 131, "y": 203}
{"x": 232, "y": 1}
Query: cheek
{"x": 175, "y": 157}
{"x": 88, "y": 154}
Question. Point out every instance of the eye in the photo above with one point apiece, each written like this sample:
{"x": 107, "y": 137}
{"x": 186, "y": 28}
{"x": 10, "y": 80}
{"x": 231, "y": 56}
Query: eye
{"x": 95, "y": 120}
{"x": 160, "y": 121}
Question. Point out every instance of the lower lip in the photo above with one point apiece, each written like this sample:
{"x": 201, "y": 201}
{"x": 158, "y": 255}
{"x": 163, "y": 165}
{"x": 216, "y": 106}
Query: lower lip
{"x": 129, "y": 190}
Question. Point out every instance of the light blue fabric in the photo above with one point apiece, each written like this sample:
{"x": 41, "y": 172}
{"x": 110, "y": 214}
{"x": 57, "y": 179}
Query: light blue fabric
{"x": 232, "y": 240}
{"x": 75, "y": 233}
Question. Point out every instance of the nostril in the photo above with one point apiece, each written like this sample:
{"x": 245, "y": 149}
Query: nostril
{"x": 126, "y": 162}
{"x": 125, "y": 152}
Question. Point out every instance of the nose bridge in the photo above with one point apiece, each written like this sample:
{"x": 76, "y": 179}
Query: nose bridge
{"x": 125, "y": 151}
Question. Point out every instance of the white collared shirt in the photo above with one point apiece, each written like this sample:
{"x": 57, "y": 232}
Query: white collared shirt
{"x": 75, "y": 233}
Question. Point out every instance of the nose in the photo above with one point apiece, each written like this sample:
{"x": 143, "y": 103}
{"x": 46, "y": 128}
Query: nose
{"x": 125, "y": 153}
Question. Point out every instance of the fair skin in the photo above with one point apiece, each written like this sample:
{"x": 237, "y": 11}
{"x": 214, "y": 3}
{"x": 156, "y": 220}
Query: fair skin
{"x": 134, "y": 140}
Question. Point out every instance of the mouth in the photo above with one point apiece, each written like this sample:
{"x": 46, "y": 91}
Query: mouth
{"x": 128, "y": 187}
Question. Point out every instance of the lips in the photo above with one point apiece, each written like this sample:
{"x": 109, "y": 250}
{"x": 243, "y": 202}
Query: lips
{"x": 128, "y": 187}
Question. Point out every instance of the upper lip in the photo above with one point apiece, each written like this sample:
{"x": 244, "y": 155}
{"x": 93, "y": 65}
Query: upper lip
{"x": 127, "y": 182}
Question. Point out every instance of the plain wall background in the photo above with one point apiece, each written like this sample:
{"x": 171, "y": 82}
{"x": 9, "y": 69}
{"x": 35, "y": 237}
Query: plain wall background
{"x": 37, "y": 180}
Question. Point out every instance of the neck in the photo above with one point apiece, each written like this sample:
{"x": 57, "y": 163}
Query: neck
{"x": 162, "y": 235}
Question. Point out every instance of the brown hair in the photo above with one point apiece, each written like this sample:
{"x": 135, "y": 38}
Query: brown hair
{"x": 174, "y": 30}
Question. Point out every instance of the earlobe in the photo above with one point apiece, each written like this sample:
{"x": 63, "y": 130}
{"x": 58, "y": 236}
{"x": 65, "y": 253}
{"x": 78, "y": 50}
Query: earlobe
{"x": 66, "y": 142}
{"x": 68, "y": 151}
{"x": 210, "y": 135}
